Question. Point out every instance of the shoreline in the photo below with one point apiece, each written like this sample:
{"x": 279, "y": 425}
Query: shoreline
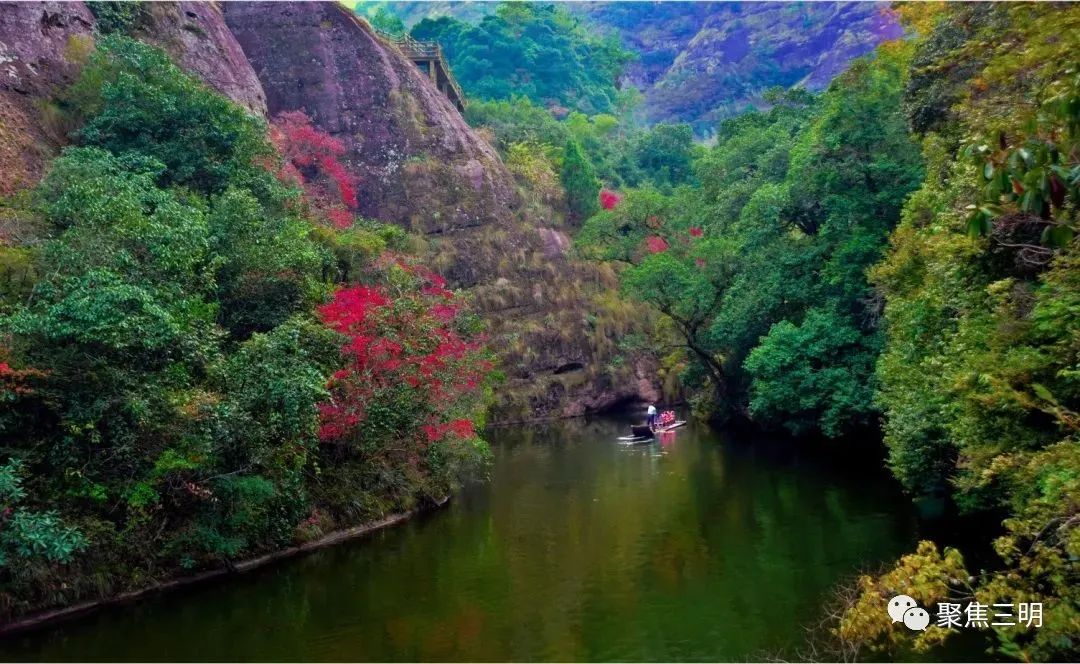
{"x": 39, "y": 619}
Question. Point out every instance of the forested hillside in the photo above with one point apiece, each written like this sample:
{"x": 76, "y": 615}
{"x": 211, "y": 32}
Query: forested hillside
{"x": 899, "y": 250}
{"x": 261, "y": 281}
{"x": 535, "y": 51}
{"x": 695, "y": 62}
{"x": 205, "y": 355}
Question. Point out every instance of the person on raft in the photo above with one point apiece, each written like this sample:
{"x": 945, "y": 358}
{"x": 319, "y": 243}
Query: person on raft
{"x": 651, "y": 416}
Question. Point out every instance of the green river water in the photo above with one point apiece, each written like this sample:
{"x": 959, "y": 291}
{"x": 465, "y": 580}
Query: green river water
{"x": 703, "y": 546}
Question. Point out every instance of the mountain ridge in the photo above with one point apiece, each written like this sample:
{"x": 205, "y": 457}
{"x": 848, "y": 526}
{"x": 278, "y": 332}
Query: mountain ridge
{"x": 700, "y": 62}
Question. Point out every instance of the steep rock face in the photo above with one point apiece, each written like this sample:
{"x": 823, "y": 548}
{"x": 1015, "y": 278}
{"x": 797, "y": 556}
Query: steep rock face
{"x": 419, "y": 163}
{"x": 41, "y": 44}
{"x": 195, "y": 35}
{"x": 554, "y": 322}
{"x": 657, "y": 32}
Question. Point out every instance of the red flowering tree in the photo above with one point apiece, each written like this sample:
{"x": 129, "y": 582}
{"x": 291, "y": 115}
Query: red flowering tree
{"x": 655, "y": 244}
{"x": 415, "y": 372}
{"x": 609, "y": 199}
{"x": 670, "y": 262}
{"x": 312, "y": 160}
{"x": 15, "y": 383}
{"x": 19, "y": 397}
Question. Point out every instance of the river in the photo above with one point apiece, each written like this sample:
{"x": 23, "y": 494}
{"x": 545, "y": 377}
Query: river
{"x": 704, "y": 546}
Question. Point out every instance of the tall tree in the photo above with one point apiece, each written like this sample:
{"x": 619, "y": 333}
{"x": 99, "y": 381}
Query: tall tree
{"x": 579, "y": 181}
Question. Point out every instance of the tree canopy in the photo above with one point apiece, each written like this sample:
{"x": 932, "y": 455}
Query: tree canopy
{"x": 533, "y": 50}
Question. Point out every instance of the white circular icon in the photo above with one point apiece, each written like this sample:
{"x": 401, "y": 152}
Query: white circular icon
{"x": 898, "y": 605}
{"x": 916, "y": 618}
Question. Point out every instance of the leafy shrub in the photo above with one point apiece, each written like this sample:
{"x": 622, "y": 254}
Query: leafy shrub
{"x": 162, "y": 385}
{"x": 137, "y": 102}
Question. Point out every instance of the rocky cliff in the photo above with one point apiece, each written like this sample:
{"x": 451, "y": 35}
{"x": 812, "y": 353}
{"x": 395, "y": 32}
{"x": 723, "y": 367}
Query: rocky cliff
{"x": 554, "y": 322}
{"x": 739, "y": 50}
{"x": 41, "y": 44}
{"x": 195, "y": 35}
{"x": 420, "y": 164}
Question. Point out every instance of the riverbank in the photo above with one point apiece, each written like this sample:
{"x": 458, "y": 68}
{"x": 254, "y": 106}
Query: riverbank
{"x": 47, "y": 617}
{"x": 710, "y": 545}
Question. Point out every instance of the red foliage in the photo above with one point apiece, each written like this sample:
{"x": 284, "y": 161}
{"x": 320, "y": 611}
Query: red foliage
{"x": 655, "y": 244}
{"x": 609, "y": 199}
{"x": 404, "y": 351}
{"x": 16, "y": 381}
{"x": 339, "y": 217}
{"x": 312, "y": 161}
{"x": 460, "y": 428}
{"x": 696, "y": 232}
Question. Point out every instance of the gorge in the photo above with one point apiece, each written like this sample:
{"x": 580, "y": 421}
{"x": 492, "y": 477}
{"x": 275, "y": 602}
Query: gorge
{"x": 266, "y": 283}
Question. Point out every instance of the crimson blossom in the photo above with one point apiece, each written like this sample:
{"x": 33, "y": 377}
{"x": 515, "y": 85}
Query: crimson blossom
{"x": 609, "y": 199}
{"x": 312, "y": 160}
{"x": 655, "y": 244}
{"x": 414, "y": 367}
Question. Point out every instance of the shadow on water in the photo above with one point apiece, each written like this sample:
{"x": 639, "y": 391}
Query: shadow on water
{"x": 700, "y": 546}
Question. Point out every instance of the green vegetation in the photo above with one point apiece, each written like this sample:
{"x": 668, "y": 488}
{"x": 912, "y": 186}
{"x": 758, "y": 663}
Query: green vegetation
{"x": 116, "y": 15}
{"x": 979, "y": 376}
{"x": 536, "y": 51}
{"x": 589, "y": 152}
{"x": 822, "y": 274}
{"x": 793, "y": 206}
{"x": 579, "y": 180}
{"x": 384, "y": 20}
{"x": 167, "y": 375}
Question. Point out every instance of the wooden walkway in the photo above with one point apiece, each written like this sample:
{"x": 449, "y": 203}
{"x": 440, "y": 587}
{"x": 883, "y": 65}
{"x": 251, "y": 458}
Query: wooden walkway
{"x": 428, "y": 56}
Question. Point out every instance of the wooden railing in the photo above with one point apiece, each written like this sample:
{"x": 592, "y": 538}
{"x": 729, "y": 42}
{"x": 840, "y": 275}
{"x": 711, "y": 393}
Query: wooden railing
{"x": 427, "y": 52}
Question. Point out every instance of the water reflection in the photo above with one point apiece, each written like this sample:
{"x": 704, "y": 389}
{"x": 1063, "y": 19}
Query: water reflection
{"x": 695, "y": 547}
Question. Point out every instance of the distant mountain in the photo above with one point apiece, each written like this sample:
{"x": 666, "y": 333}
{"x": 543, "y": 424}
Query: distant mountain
{"x": 702, "y": 61}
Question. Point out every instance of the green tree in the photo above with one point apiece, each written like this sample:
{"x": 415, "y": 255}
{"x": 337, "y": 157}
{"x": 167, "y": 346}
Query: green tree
{"x": 533, "y": 50}
{"x": 386, "y": 21}
{"x": 665, "y": 153}
{"x": 688, "y": 286}
{"x": 135, "y": 101}
{"x": 580, "y": 183}
{"x": 813, "y": 376}
{"x": 850, "y": 171}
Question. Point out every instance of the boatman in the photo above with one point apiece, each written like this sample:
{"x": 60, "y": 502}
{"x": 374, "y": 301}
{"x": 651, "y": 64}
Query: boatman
{"x": 651, "y": 416}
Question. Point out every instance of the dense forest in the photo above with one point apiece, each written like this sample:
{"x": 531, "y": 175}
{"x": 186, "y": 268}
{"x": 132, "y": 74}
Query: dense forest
{"x": 694, "y": 62}
{"x": 207, "y": 353}
{"x": 897, "y": 252}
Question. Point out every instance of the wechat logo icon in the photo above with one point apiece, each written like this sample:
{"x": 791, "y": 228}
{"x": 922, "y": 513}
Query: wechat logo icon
{"x": 906, "y": 610}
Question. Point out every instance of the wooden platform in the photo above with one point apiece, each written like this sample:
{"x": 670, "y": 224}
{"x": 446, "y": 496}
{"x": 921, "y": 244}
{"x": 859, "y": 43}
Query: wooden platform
{"x": 428, "y": 56}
